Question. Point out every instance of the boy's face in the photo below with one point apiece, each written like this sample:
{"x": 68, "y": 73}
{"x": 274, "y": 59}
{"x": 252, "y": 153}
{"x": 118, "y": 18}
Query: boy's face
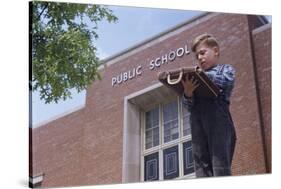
{"x": 207, "y": 56}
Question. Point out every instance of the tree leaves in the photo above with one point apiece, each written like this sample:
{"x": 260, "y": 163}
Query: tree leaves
{"x": 63, "y": 54}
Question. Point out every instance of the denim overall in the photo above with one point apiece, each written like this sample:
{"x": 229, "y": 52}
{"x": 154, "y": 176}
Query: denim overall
{"x": 213, "y": 134}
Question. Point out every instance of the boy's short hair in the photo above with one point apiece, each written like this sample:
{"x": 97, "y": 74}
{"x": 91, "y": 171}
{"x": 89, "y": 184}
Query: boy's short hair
{"x": 205, "y": 38}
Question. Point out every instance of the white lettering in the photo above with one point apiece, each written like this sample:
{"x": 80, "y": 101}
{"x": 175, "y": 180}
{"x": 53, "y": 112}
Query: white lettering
{"x": 180, "y": 52}
{"x": 172, "y": 55}
{"x": 186, "y": 50}
{"x": 138, "y": 70}
{"x": 125, "y": 76}
{"x": 133, "y": 74}
{"x": 119, "y": 79}
{"x": 113, "y": 81}
{"x": 157, "y": 62}
{"x": 164, "y": 59}
{"x": 151, "y": 65}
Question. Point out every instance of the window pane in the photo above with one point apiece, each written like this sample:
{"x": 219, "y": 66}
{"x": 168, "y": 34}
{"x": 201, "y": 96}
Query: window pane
{"x": 170, "y": 118}
{"x": 171, "y": 162}
{"x": 188, "y": 164}
{"x": 152, "y": 128}
{"x": 148, "y": 139}
{"x": 186, "y": 122}
{"x": 156, "y": 136}
{"x": 152, "y": 118}
{"x": 151, "y": 168}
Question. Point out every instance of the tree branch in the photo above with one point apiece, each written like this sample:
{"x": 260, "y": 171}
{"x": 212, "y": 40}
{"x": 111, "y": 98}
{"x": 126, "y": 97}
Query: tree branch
{"x": 42, "y": 11}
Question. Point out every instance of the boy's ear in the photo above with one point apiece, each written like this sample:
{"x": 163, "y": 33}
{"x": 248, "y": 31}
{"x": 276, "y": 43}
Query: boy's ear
{"x": 217, "y": 52}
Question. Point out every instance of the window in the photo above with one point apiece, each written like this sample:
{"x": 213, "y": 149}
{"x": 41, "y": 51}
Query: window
{"x": 166, "y": 143}
{"x": 170, "y": 121}
{"x": 152, "y": 128}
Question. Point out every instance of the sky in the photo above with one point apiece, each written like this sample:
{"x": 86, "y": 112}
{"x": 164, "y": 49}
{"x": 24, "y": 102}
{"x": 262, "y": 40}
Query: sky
{"x": 134, "y": 25}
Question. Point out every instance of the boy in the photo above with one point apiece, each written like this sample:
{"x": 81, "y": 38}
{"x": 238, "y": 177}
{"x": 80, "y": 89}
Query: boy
{"x": 213, "y": 133}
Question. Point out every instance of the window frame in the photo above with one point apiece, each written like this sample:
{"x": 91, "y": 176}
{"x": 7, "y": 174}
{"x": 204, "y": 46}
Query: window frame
{"x": 162, "y": 146}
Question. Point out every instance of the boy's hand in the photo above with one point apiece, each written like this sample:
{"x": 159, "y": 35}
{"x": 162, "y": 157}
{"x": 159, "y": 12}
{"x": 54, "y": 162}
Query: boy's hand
{"x": 189, "y": 85}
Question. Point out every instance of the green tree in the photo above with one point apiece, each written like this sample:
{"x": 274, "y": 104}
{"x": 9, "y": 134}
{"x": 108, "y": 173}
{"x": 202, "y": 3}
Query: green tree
{"x": 63, "y": 53}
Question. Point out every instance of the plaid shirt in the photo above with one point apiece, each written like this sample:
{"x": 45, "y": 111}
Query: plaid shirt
{"x": 223, "y": 75}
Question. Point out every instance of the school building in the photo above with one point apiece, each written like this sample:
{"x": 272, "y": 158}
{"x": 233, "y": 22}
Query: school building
{"x": 133, "y": 129}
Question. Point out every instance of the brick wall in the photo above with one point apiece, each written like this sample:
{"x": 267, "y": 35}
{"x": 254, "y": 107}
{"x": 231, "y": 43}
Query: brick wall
{"x": 57, "y": 151}
{"x": 262, "y": 51}
{"x": 86, "y": 147}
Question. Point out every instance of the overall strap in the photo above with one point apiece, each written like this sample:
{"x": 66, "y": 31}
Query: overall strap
{"x": 220, "y": 70}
